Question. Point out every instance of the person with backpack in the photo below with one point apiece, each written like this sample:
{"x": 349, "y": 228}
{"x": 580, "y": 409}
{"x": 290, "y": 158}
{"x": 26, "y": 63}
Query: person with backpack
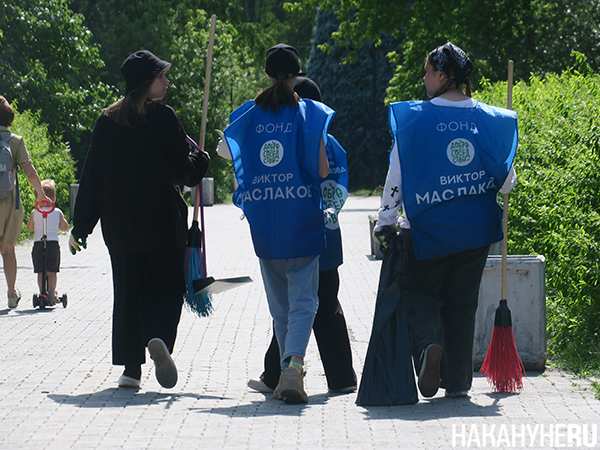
{"x": 13, "y": 154}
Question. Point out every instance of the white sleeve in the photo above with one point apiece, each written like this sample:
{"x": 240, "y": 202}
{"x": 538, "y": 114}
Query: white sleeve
{"x": 223, "y": 149}
{"x": 391, "y": 199}
{"x": 511, "y": 180}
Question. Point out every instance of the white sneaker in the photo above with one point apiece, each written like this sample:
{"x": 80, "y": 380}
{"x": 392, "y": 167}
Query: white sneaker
{"x": 259, "y": 385}
{"x": 128, "y": 382}
{"x": 164, "y": 366}
{"x": 14, "y": 301}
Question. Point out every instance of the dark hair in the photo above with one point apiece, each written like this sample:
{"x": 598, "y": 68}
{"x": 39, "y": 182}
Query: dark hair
{"x": 450, "y": 81}
{"x": 278, "y": 94}
{"x": 7, "y": 114}
{"x": 130, "y": 109}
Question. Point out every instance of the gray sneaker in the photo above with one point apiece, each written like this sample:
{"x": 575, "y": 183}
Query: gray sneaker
{"x": 164, "y": 367}
{"x": 277, "y": 391}
{"x": 292, "y": 386}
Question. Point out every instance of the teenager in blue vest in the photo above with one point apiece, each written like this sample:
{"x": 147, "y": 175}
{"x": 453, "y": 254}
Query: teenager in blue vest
{"x": 277, "y": 143}
{"x": 451, "y": 157}
{"x": 331, "y": 332}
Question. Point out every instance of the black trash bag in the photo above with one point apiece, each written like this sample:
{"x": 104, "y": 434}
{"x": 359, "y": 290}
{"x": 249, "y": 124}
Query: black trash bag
{"x": 388, "y": 377}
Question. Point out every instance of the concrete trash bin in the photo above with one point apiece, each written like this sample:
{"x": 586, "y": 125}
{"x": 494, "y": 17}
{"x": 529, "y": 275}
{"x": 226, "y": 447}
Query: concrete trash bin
{"x": 208, "y": 192}
{"x": 375, "y": 250}
{"x": 526, "y": 298}
{"x": 73, "y": 191}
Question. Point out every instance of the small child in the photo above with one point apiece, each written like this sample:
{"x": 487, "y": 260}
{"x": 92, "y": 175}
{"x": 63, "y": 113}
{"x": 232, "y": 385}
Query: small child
{"x": 55, "y": 221}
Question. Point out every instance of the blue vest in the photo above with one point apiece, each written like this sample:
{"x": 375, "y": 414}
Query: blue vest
{"x": 276, "y": 162}
{"x": 453, "y": 162}
{"x": 334, "y": 192}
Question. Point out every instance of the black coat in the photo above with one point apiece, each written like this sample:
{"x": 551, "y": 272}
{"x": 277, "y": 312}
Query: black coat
{"x": 130, "y": 182}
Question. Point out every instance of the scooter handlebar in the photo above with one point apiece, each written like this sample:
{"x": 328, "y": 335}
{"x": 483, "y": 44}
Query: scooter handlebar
{"x": 44, "y": 212}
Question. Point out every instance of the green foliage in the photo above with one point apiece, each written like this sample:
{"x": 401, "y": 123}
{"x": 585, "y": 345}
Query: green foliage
{"x": 49, "y": 156}
{"x": 49, "y": 66}
{"x": 555, "y": 208}
{"x": 231, "y": 85}
{"x": 356, "y": 91}
{"x": 539, "y": 35}
{"x": 245, "y": 29}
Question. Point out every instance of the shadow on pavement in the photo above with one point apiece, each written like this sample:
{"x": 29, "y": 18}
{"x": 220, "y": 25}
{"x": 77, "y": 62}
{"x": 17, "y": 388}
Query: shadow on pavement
{"x": 120, "y": 398}
{"x": 435, "y": 409}
{"x": 266, "y": 407}
{"x": 25, "y": 312}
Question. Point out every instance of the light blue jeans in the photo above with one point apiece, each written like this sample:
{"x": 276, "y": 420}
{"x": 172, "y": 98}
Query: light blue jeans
{"x": 291, "y": 286}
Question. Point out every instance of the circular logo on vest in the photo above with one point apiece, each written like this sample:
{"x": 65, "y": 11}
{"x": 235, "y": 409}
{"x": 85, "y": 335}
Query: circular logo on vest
{"x": 271, "y": 153}
{"x": 460, "y": 152}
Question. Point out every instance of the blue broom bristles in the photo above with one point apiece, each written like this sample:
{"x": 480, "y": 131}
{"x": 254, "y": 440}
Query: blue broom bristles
{"x": 200, "y": 304}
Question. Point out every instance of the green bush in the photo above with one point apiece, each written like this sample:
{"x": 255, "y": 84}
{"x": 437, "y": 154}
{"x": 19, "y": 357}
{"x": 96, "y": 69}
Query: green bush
{"x": 50, "y": 157}
{"x": 554, "y": 209}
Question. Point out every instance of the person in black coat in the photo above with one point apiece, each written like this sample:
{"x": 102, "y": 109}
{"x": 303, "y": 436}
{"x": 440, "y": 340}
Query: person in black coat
{"x": 138, "y": 158}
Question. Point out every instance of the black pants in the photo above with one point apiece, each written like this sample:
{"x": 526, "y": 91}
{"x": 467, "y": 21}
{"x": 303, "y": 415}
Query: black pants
{"x": 148, "y": 297}
{"x": 331, "y": 335}
{"x": 441, "y": 295}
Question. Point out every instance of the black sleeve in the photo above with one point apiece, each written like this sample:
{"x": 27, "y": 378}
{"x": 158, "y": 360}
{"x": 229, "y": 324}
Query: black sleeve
{"x": 187, "y": 165}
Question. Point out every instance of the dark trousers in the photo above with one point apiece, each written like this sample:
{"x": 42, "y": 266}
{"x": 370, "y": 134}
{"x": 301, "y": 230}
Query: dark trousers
{"x": 331, "y": 335}
{"x": 441, "y": 295}
{"x": 148, "y": 297}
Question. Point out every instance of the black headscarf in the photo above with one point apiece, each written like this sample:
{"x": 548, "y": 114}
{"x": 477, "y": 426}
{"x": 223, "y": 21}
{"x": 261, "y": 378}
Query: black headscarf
{"x": 450, "y": 56}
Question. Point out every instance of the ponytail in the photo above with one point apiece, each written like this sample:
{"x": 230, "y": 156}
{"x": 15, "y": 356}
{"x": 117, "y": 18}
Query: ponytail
{"x": 276, "y": 95}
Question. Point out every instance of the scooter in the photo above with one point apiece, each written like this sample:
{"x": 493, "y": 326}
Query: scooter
{"x": 43, "y": 299}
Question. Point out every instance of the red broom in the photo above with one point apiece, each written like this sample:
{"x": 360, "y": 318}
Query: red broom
{"x": 502, "y": 365}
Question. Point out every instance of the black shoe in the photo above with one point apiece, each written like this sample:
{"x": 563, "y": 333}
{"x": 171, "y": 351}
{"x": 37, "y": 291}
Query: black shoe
{"x": 429, "y": 375}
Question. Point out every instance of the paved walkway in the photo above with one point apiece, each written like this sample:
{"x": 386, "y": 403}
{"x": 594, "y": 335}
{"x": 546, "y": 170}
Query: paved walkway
{"x": 58, "y": 389}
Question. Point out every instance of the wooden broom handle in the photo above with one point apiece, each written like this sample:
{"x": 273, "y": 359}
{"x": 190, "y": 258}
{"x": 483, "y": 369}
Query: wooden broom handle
{"x": 211, "y": 41}
{"x": 505, "y": 199}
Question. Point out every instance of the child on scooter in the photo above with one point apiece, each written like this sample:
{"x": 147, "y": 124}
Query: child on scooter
{"x": 55, "y": 221}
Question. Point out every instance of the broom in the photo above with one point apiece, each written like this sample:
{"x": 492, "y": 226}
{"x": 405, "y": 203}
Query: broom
{"x": 502, "y": 365}
{"x": 195, "y": 259}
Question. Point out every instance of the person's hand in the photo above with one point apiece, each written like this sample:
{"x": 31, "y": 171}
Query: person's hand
{"x": 75, "y": 243}
{"x": 222, "y": 147}
{"x": 382, "y": 236}
{"x": 46, "y": 201}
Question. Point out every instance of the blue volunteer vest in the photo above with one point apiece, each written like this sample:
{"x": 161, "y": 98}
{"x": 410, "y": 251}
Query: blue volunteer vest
{"x": 276, "y": 162}
{"x": 453, "y": 162}
{"x": 334, "y": 192}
